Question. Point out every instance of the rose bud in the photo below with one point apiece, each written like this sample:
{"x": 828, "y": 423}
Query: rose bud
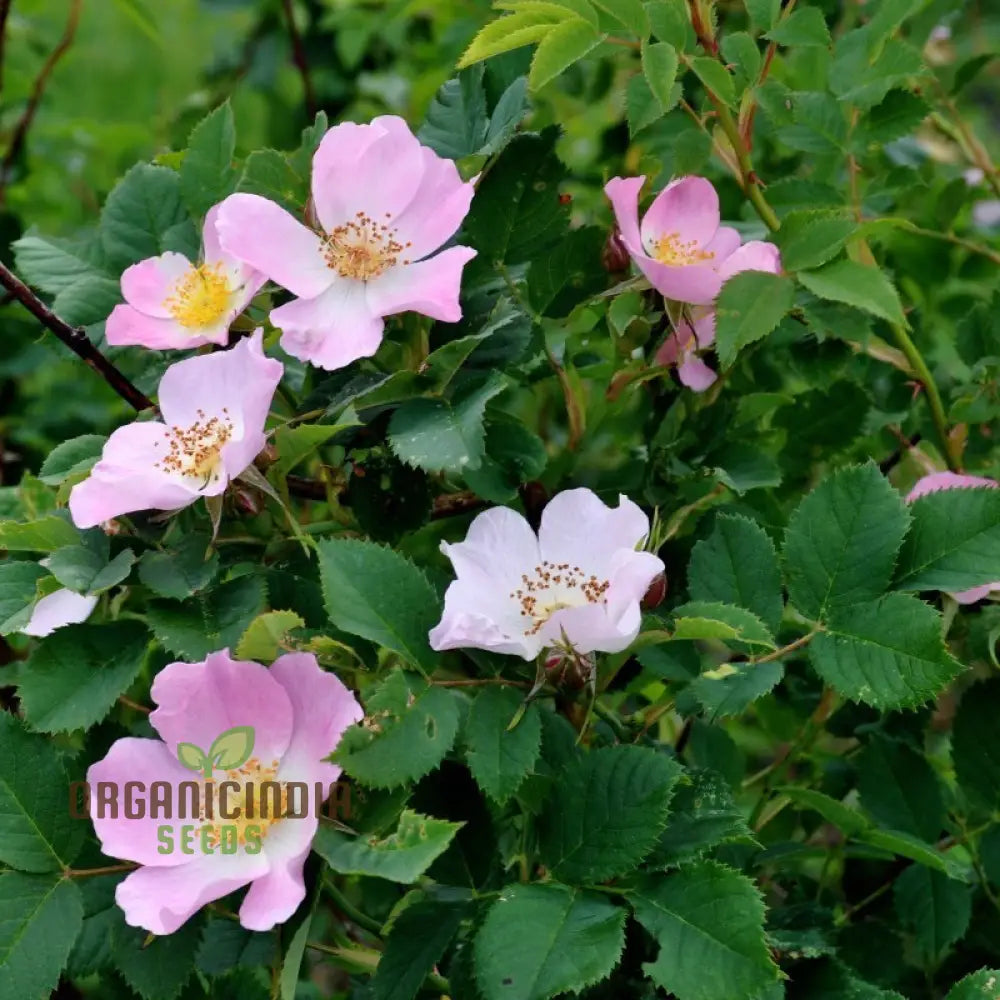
{"x": 614, "y": 256}
{"x": 655, "y": 594}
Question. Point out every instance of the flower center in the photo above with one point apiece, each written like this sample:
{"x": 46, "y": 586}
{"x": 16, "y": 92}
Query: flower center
{"x": 551, "y": 587}
{"x": 259, "y": 802}
{"x": 201, "y": 298}
{"x": 363, "y": 248}
{"x": 196, "y": 450}
{"x": 670, "y": 249}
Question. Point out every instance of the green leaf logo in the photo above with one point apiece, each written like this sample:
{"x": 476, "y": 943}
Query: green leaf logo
{"x": 192, "y": 757}
{"x": 229, "y": 750}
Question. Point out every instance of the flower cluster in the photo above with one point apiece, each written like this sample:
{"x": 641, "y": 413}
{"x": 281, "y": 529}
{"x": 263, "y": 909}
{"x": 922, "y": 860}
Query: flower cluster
{"x": 687, "y": 256}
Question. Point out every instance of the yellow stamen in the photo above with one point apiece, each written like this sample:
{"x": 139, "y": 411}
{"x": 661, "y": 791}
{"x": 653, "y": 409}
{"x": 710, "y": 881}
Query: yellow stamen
{"x": 201, "y": 298}
{"x": 363, "y": 248}
{"x": 670, "y": 249}
{"x": 553, "y": 587}
{"x": 196, "y": 450}
{"x": 259, "y": 805}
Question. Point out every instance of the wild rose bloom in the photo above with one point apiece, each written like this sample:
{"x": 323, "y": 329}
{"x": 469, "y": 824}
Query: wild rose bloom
{"x": 680, "y": 245}
{"x": 172, "y": 303}
{"x": 298, "y": 713}
{"x": 581, "y": 578}
{"x": 214, "y": 407}
{"x": 384, "y": 204}
{"x": 953, "y": 481}
{"x": 682, "y": 346}
{"x": 61, "y": 607}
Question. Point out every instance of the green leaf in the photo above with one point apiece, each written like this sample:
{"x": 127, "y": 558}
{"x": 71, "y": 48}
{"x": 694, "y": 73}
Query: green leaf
{"x": 975, "y": 743}
{"x": 232, "y": 749}
{"x": 859, "y": 286}
{"x": 139, "y": 215}
{"x": 809, "y": 239}
{"x": 703, "y": 815}
{"x": 411, "y": 726}
{"x": 888, "y": 653}
{"x": 737, "y": 565}
{"x": 523, "y": 27}
{"x": 631, "y": 13}
{"x": 193, "y": 758}
{"x": 215, "y": 619}
{"x": 55, "y": 265}
{"x": 564, "y": 45}
{"x": 935, "y": 907}
{"x": 905, "y": 845}
{"x": 71, "y": 458}
{"x": 500, "y": 758}
{"x": 18, "y": 589}
{"x": 40, "y": 917}
{"x": 671, "y": 22}
{"x": 295, "y": 444}
{"x": 263, "y": 639}
{"x": 380, "y": 595}
{"x": 268, "y": 173}
{"x": 538, "y": 941}
{"x": 842, "y": 541}
{"x": 709, "y": 923}
{"x": 44, "y": 535}
{"x": 750, "y": 305}
{"x": 457, "y": 121}
{"x": 954, "y": 544}
{"x": 642, "y": 107}
{"x": 763, "y": 13}
{"x": 659, "y": 65}
{"x": 81, "y": 568}
{"x": 849, "y": 820}
{"x": 157, "y": 969}
{"x": 739, "y": 49}
{"x": 711, "y": 620}
{"x": 716, "y": 78}
{"x": 207, "y": 172}
{"x": 900, "y": 789}
{"x": 401, "y": 856}
{"x": 37, "y": 833}
{"x": 441, "y": 435}
{"x": 606, "y": 812}
{"x": 730, "y": 689}
{"x": 75, "y": 675}
{"x": 181, "y": 571}
{"x": 802, "y": 28}
{"x": 572, "y": 270}
{"x": 514, "y": 455}
{"x": 976, "y": 986}
{"x": 859, "y": 76}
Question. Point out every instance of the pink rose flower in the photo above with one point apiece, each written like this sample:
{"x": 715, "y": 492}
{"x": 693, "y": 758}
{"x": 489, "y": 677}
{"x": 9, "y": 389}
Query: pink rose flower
{"x": 681, "y": 347}
{"x": 172, "y": 303}
{"x": 214, "y": 407}
{"x": 61, "y": 607}
{"x": 385, "y": 204}
{"x": 581, "y": 579}
{"x": 953, "y": 481}
{"x": 680, "y": 245}
{"x": 297, "y": 712}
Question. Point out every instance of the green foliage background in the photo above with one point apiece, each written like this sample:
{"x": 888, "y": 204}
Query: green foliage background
{"x": 790, "y": 786}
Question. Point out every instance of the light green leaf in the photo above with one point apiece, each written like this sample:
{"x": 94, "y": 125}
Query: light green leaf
{"x": 888, "y": 653}
{"x": 263, "y": 639}
{"x": 716, "y": 78}
{"x": 380, "y": 595}
{"x": 809, "y": 239}
{"x": 659, "y": 65}
{"x": 750, "y": 305}
{"x": 44, "y": 535}
{"x": 192, "y": 757}
{"x": 631, "y": 13}
{"x": 500, "y": 758}
{"x": 538, "y": 941}
{"x": 802, "y": 28}
{"x": 207, "y": 172}
{"x": 711, "y": 620}
{"x": 842, "y": 541}
{"x": 75, "y": 675}
{"x": 411, "y": 726}
{"x": 564, "y": 45}
{"x": 976, "y": 986}
{"x": 71, "y": 458}
{"x": 859, "y": 286}
{"x": 709, "y": 923}
{"x": 232, "y": 749}
{"x": 402, "y": 856}
{"x": 524, "y": 27}
{"x": 295, "y": 444}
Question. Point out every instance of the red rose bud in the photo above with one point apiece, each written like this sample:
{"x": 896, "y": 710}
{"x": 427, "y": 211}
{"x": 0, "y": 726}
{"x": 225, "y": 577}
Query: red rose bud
{"x": 568, "y": 668}
{"x": 656, "y": 592}
{"x": 247, "y": 500}
{"x": 614, "y": 257}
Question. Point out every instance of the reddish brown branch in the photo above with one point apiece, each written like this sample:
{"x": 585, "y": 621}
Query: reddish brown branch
{"x": 75, "y": 339}
{"x": 299, "y": 57}
{"x": 24, "y": 124}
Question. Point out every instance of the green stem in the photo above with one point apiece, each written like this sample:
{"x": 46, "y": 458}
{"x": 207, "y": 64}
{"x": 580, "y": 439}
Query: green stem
{"x": 351, "y": 911}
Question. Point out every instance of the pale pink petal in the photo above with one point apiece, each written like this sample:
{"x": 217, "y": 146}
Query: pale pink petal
{"x": 697, "y": 284}
{"x": 322, "y": 708}
{"x": 126, "y": 480}
{"x": 753, "y": 256}
{"x": 332, "y": 330}
{"x": 144, "y": 761}
{"x": 579, "y": 528}
{"x": 372, "y": 169}
{"x": 688, "y": 208}
{"x": 127, "y": 326}
{"x": 437, "y": 209}
{"x": 630, "y": 577}
{"x": 430, "y": 287}
{"x": 675, "y": 346}
{"x": 274, "y": 897}
{"x": 61, "y": 607}
{"x": 148, "y": 284}
{"x": 274, "y": 243}
{"x": 197, "y": 702}
{"x": 704, "y": 326}
{"x": 976, "y": 593}
{"x": 589, "y": 629}
{"x": 162, "y": 899}
{"x": 242, "y": 276}
{"x": 947, "y": 481}
{"x": 463, "y": 630}
{"x": 723, "y": 244}
{"x": 623, "y": 193}
{"x": 695, "y": 374}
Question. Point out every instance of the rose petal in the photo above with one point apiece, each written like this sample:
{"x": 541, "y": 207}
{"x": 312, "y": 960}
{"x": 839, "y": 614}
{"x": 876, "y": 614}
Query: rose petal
{"x": 430, "y": 287}
{"x": 687, "y": 207}
{"x": 147, "y": 285}
{"x": 61, "y": 607}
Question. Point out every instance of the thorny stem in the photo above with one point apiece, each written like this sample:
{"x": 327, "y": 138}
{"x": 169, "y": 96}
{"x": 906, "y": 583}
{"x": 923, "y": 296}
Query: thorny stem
{"x": 790, "y": 648}
{"x": 41, "y": 81}
{"x": 299, "y": 56}
{"x": 75, "y": 339}
{"x": 482, "y": 682}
